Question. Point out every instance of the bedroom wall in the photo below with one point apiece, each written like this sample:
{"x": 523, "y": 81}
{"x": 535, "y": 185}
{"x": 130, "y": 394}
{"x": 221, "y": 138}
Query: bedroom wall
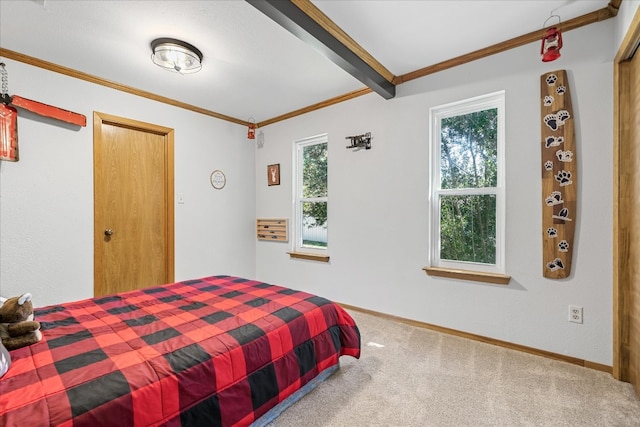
{"x": 378, "y": 203}
{"x": 46, "y": 199}
{"x": 626, "y": 13}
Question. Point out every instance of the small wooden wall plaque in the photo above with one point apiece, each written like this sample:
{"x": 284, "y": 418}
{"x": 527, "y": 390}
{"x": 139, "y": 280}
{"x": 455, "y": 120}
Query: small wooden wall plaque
{"x": 272, "y": 229}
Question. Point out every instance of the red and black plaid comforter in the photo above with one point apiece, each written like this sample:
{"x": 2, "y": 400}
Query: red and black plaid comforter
{"x": 215, "y": 351}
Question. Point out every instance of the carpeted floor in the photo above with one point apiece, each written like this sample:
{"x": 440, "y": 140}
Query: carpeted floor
{"x": 410, "y": 376}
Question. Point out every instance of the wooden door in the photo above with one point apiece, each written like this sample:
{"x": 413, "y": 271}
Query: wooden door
{"x": 634, "y": 224}
{"x": 626, "y": 236}
{"x": 133, "y": 204}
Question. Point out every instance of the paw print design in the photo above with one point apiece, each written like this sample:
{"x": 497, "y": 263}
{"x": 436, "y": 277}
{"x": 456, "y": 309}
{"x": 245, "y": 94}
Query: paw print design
{"x": 552, "y": 232}
{"x": 562, "y": 215}
{"x": 563, "y": 246}
{"x": 564, "y": 178}
{"x": 551, "y": 120}
{"x": 548, "y": 100}
{"x": 563, "y": 116}
{"x": 553, "y": 141}
{"x": 561, "y": 90}
{"x": 564, "y": 156}
{"x": 548, "y": 165}
{"x": 551, "y": 79}
{"x": 556, "y": 264}
{"x": 554, "y": 121}
{"x": 555, "y": 198}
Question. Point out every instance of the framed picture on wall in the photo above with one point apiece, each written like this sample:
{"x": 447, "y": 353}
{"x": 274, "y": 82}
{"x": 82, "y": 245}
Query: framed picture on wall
{"x": 273, "y": 174}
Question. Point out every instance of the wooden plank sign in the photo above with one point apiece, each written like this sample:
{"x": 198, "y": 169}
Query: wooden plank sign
{"x": 9, "y": 117}
{"x": 9, "y": 123}
{"x": 273, "y": 229}
{"x": 559, "y": 174}
{"x": 49, "y": 111}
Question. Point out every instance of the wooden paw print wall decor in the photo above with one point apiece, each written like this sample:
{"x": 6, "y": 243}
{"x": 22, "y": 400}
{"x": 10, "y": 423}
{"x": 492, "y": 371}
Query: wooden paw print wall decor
{"x": 559, "y": 174}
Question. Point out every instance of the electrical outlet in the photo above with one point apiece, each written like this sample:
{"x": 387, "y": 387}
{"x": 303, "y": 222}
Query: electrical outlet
{"x": 575, "y": 314}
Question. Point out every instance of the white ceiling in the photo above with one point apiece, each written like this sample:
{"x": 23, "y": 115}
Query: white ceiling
{"x": 252, "y": 67}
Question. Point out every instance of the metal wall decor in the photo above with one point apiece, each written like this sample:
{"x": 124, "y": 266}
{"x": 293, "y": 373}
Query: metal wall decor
{"x": 360, "y": 141}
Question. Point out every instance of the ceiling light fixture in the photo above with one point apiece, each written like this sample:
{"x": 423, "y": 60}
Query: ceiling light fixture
{"x": 176, "y": 55}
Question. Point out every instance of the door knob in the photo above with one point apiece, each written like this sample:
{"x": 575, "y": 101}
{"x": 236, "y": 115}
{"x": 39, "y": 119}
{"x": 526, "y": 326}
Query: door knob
{"x": 108, "y": 232}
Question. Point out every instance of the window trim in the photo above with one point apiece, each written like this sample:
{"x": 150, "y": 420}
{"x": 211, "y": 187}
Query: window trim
{"x": 309, "y": 257}
{"x": 476, "y": 276}
{"x": 297, "y": 249}
{"x": 436, "y": 114}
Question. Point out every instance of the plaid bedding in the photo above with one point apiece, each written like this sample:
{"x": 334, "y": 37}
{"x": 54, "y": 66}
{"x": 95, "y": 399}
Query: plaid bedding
{"x": 216, "y": 351}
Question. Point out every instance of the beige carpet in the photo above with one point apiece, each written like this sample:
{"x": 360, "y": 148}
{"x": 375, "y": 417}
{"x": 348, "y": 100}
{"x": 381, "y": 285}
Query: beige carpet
{"x": 426, "y": 378}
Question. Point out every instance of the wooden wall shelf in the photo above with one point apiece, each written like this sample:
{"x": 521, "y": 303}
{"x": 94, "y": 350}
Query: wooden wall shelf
{"x": 272, "y": 229}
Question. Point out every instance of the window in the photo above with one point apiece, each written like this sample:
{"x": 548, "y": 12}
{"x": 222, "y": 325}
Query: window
{"x": 311, "y": 195}
{"x": 467, "y": 184}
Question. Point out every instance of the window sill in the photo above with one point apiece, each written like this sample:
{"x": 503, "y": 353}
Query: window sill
{"x": 476, "y": 276}
{"x": 308, "y": 256}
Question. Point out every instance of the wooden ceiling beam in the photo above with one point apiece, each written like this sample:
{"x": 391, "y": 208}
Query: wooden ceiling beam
{"x": 317, "y": 15}
{"x": 614, "y": 6}
{"x": 610, "y": 11}
{"x": 535, "y": 36}
{"x": 309, "y": 24}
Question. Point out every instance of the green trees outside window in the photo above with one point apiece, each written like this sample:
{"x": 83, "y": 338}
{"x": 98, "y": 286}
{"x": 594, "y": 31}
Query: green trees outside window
{"x": 467, "y": 149}
{"x": 312, "y": 193}
{"x": 468, "y": 228}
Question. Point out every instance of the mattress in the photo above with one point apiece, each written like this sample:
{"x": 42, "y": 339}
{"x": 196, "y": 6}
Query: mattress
{"x": 215, "y": 351}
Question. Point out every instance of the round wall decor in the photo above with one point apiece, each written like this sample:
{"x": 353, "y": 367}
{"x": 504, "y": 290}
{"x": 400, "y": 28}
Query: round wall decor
{"x": 218, "y": 180}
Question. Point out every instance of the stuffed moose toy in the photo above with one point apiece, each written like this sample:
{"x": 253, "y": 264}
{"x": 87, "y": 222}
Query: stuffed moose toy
{"x": 17, "y": 327}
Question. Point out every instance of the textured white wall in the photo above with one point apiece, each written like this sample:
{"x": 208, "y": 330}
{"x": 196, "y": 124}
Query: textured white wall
{"x": 46, "y": 199}
{"x": 378, "y": 203}
{"x": 628, "y": 9}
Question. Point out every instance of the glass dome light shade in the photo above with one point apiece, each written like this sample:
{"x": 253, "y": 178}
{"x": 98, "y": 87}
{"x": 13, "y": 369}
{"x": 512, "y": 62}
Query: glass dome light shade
{"x": 176, "y": 55}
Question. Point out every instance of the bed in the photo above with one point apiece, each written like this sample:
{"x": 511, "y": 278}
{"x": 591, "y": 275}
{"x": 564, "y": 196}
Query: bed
{"x": 215, "y": 351}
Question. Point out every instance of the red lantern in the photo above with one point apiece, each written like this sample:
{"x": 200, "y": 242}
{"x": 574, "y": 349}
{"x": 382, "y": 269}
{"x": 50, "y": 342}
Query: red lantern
{"x": 251, "y": 133}
{"x": 551, "y": 45}
{"x": 8, "y": 133}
